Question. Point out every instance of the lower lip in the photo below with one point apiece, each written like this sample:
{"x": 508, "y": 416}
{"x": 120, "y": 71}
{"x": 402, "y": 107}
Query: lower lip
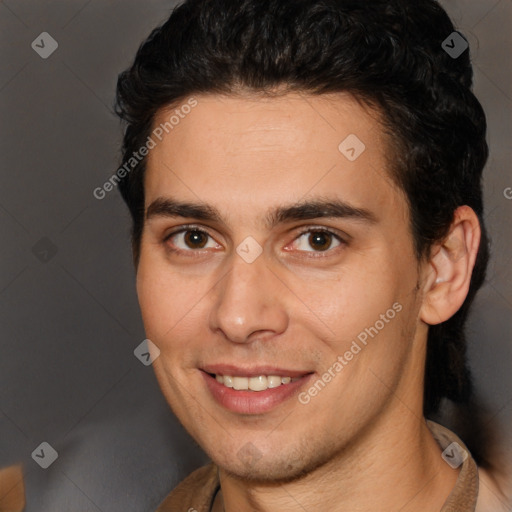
{"x": 252, "y": 402}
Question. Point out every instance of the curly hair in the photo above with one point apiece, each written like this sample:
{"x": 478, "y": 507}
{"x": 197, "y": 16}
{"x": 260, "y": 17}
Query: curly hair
{"x": 388, "y": 54}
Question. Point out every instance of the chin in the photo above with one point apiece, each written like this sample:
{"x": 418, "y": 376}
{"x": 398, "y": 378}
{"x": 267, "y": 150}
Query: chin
{"x": 278, "y": 468}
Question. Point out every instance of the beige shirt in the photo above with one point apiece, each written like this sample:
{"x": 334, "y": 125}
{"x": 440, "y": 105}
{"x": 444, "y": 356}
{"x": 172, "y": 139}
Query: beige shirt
{"x": 197, "y": 492}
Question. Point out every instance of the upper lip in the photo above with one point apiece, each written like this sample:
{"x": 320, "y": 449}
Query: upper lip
{"x": 254, "y": 371}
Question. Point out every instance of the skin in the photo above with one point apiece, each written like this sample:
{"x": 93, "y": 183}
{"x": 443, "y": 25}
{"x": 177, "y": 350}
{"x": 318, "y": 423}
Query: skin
{"x": 361, "y": 443}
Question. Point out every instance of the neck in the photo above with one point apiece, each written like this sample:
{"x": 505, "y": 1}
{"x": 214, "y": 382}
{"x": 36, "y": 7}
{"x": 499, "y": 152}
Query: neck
{"x": 394, "y": 468}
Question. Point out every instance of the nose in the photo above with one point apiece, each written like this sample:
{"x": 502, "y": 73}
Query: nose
{"x": 249, "y": 302}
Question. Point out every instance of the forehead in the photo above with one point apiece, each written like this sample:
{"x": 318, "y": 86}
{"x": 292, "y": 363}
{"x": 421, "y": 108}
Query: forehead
{"x": 243, "y": 153}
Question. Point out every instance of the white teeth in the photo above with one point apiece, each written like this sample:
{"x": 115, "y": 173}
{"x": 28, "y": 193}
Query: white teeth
{"x": 260, "y": 383}
{"x": 240, "y": 383}
{"x": 274, "y": 381}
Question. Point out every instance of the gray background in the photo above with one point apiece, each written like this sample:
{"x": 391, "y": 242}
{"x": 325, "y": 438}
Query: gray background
{"x": 70, "y": 320}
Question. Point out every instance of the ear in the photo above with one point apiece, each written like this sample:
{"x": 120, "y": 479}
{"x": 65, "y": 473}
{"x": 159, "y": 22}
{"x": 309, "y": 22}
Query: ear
{"x": 447, "y": 274}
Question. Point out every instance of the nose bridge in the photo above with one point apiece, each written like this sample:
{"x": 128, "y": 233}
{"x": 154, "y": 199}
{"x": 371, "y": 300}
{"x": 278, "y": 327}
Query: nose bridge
{"x": 247, "y": 300}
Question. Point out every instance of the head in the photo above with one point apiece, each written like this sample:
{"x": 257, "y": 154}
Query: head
{"x": 272, "y": 88}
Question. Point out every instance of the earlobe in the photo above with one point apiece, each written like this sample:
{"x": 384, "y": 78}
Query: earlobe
{"x": 450, "y": 267}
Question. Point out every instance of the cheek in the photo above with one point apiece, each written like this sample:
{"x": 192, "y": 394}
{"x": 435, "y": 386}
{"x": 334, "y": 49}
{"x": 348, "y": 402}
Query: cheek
{"x": 348, "y": 301}
{"x": 156, "y": 292}
{"x": 171, "y": 304}
{"x": 368, "y": 318}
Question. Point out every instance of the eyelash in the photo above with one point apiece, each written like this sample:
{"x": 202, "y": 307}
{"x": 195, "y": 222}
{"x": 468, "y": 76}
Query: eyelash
{"x": 199, "y": 252}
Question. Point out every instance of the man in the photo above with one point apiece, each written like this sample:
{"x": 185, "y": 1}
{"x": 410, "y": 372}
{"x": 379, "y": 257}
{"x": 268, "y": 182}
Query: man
{"x": 304, "y": 183}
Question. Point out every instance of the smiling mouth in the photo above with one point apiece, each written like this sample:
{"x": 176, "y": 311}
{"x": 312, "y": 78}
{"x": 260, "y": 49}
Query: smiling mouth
{"x": 257, "y": 391}
{"x": 259, "y": 383}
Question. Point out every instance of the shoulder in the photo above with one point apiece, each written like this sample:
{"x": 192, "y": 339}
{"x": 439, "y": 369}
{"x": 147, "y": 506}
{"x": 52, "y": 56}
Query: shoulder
{"x": 492, "y": 490}
{"x": 492, "y": 496}
{"x": 195, "y": 492}
{"x": 12, "y": 489}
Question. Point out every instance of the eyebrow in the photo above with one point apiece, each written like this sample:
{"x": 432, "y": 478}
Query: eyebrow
{"x": 305, "y": 210}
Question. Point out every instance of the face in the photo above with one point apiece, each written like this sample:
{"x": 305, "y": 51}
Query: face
{"x": 271, "y": 255}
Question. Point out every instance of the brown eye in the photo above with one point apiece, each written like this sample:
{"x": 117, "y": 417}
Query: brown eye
{"x": 195, "y": 239}
{"x": 190, "y": 240}
{"x": 320, "y": 240}
{"x": 317, "y": 240}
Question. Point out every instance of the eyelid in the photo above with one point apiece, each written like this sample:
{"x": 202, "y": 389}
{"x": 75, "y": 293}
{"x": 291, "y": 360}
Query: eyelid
{"x": 343, "y": 237}
{"x": 186, "y": 227}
